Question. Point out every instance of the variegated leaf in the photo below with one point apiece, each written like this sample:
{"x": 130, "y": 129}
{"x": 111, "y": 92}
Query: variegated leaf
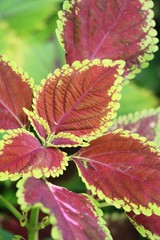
{"x": 81, "y": 99}
{"x": 148, "y": 226}
{"x": 49, "y": 139}
{"x": 146, "y": 123}
{"x": 112, "y": 29}
{"x": 124, "y": 170}
{"x": 77, "y": 215}
{"x": 15, "y": 93}
{"x": 21, "y": 154}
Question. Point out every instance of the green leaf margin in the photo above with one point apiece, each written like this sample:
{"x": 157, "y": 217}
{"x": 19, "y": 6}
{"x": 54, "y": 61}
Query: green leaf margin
{"x": 126, "y": 204}
{"x": 55, "y": 232}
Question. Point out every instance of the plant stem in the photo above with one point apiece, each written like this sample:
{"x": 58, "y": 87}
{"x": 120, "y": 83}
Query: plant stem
{"x": 32, "y": 227}
{"x": 11, "y": 208}
{"x": 104, "y": 204}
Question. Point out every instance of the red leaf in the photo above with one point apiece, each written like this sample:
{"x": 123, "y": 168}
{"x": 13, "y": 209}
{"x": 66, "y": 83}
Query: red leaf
{"x": 15, "y": 93}
{"x": 78, "y": 216}
{"x": 145, "y": 123}
{"x": 124, "y": 170}
{"x": 43, "y": 131}
{"x": 112, "y": 29}
{"x": 39, "y": 124}
{"x": 81, "y": 99}
{"x": 147, "y": 226}
{"x": 22, "y": 155}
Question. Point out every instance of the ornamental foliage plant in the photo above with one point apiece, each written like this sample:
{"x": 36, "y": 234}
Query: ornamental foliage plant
{"x": 71, "y": 116}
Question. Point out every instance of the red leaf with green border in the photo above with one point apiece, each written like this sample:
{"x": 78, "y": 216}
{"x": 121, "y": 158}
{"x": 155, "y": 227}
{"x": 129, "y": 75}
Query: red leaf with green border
{"x": 147, "y": 226}
{"x": 43, "y": 131}
{"x": 81, "y": 99}
{"x": 16, "y": 93}
{"x": 39, "y": 124}
{"x": 21, "y": 154}
{"x": 124, "y": 170}
{"x": 112, "y": 29}
{"x": 146, "y": 123}
{"x": 77, "y": 215}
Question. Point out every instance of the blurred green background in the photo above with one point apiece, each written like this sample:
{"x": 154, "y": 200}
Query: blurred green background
{"x": 27, "y": 36}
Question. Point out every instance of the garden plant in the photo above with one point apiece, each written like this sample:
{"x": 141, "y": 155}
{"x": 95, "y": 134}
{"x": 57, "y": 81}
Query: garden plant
{"x": 71, "y": 116}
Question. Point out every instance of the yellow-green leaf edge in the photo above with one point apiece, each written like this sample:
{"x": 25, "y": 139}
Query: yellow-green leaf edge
{"x": 18, "y": 70}
{"x": 144, "y": 232}
{"x": 114, "y": 91}
{"x": 136, "y": 116}
{"x": 37, "y": 173}
{"x": 120, "y": 203}
{"x": 52, "y": 136}
{"x": 55, "y": 231}
{"x": 150, "y": 39}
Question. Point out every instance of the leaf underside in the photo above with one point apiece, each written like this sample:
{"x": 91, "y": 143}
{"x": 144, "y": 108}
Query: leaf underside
{"x": 147, "y": 226}
{"x": 124, "y": 170}
{"x": 146, "y": 123}
{"x": 15, "y": 93}
{"x": 77, "y": 215}
{"x": 80, "y": 99}
{"x": 101, "y": 29}
{"x": 21, "y": 154}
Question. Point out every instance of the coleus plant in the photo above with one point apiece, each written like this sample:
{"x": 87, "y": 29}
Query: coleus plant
{"x": 106, "y": 43}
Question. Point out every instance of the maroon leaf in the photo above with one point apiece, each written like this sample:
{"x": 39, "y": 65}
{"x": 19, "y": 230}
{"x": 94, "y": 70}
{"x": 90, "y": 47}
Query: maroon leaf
{"x": 22, "y": 155}
{"x": 39, "y": 124}
{"x": 123, "y": 169}
{"x": 78, "y": 216}
{"x": 146, "y": 123}
{"x": 15, "y": 93}
{"x": 112, "y": 29}
{"x": 147, "y": 226}
{"x": 80, "y": 99}
{"x": 43, "y": 131}
{"x": 120, "y": 227}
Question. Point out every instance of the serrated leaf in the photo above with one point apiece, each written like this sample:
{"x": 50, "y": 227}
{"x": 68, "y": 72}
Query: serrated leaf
{"x": 77, "y": 215}
{"x": 16, "y": 93}
{"x": 124, "y": 170}
{"x": 81, "y": 99}
{"x": 21, "y": 154}
{"x": 147, "y": 226}
{"x": 39, "y": 124}
{"x": 108, "y": 29}
{"x": 146, "y": 123}
{"x": 42, "y": 129}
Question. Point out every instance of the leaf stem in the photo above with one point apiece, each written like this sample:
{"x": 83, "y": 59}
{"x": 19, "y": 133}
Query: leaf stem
{"x": 32, "y": 226}
{"x": 104, "y": 204}
{"x": 11, "y": 208}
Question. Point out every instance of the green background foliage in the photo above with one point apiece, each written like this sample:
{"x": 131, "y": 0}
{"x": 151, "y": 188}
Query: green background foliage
{"x": 27, "y": 36}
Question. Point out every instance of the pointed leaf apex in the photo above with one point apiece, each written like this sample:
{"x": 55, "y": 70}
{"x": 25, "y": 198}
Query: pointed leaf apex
{"x": 67, "y": 99}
